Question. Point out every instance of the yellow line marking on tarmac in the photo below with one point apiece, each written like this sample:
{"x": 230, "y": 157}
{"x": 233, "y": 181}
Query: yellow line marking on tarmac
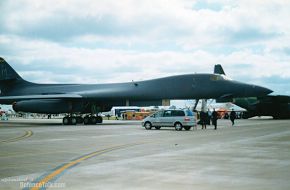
{"x": 27, "y": 134}
{"x": 40, "y": 184}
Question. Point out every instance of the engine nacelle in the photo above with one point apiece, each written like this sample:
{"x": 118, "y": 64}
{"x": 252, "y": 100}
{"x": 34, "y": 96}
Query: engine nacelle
{"x": 48, "y": 106}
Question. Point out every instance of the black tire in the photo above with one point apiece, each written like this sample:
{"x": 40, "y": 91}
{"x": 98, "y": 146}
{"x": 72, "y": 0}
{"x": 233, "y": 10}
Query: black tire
{"x": 187, "y": 128}
{"x": 86, "y": 120}
{"x": 157, "y": 127}
{"x": 65, "y": 121}
{"x": 93, "y": 120}
{"x": 178, "y": 126}
{"x": 73, "y": 120}
{"x": 80, "y": 120}
{"x": 148, "y": 125}
{"x": 99, "y": 119}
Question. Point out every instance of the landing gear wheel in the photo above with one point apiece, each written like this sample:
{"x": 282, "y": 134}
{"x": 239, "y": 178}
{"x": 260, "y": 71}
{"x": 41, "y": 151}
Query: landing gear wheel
{"x": 187, "y": 128}
{"x": 148, "y": 125}
{"x": 65, "y": 121}
{"x": 86, "y": 120}
{"x": 99, "y": 119}
{"x": 73, "y": 120}
{"x": 178, "y": 126}
{"x": 80, "y": 119}
{"x": 93, "y": 120}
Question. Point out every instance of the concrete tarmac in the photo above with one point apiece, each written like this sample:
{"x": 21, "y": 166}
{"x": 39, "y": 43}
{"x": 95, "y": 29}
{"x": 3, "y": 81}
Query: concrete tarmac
{"x": 254, "y": 154}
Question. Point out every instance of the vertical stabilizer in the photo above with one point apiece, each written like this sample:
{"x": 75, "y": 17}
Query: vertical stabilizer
{"x": 7, "y": 72}
{"x": 218, "y": 69}
{"x": 8, "y": 77}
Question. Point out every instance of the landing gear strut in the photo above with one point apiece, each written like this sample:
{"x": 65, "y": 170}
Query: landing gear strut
{"x": 93, "y": 118}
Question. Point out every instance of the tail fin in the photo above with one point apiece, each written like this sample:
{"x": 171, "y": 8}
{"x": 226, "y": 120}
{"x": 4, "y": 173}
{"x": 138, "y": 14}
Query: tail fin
{"x": 7, "y": 73}
{"x": 219, "y": 70}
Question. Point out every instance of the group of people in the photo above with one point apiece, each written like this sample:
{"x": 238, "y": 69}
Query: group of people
{"x": 214, "y": 117}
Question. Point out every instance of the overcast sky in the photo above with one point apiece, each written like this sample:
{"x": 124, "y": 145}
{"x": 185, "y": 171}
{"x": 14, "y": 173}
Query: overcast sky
{"x": 94, "y": 41}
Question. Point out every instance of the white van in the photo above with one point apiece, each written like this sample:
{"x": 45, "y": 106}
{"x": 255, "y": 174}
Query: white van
{"x": 170, "y": 118}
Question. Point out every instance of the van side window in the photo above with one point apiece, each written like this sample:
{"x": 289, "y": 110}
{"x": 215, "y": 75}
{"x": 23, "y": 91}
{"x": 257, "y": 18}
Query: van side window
{"x": 167, "y": 113}
{"x": 178, "y": 113}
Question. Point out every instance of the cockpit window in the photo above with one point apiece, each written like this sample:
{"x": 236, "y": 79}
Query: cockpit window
{"x": 216, "y": 77}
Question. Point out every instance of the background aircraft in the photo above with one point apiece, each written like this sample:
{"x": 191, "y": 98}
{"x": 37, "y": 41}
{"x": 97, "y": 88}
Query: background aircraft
{"x": 277, "y": 106}
{"x": 94, "y": 98}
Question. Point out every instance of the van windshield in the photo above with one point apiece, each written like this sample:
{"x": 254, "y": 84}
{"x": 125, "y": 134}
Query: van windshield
{"x": 158, "y": 114}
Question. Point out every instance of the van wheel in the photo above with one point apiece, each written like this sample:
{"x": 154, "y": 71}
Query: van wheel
{"x": 157, "y": 127}
{"x": 178, "y": 126}
{"x": 187, "y": 128}
{"x": 148, "y": 125}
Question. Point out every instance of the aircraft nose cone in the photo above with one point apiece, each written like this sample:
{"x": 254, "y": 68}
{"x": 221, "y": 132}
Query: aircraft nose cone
{"x": 261, "y": 91}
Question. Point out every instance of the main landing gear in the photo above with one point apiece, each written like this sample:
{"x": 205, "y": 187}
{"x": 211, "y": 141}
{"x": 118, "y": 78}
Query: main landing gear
{"x": 92, "y": 120}
{"x": 87, "y": 120}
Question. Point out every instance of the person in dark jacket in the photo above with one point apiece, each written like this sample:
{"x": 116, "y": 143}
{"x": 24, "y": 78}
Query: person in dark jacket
{"x": 233, "y": 116}
{"x": 203, "y": 117}
{"x": 214, "y": 118}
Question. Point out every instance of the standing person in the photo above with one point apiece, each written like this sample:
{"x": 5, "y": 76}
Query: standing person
{"x": 203, "y": 117}
{"x": 233, "y": 116}
{"x": 214, "y": 117}
{"x": 195, "y": 120}
{"x": 208, "y": 118}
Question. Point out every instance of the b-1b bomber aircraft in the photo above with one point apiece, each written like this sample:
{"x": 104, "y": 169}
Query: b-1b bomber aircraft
{"x": 91, "y": 99}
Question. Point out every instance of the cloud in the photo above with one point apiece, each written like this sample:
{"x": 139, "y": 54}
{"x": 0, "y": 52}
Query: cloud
{"x": 107, "y": 41}
{"x": 247, "y": 35}
{"x": 211, "y": 5}
{"x": 279, "y": 84}
{"x": 159, "y": 23}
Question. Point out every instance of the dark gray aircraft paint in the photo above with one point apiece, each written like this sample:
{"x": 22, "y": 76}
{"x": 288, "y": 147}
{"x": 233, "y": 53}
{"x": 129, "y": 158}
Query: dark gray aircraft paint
{"x": 93, "y": 98}
{"x": 277, "y": 106}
